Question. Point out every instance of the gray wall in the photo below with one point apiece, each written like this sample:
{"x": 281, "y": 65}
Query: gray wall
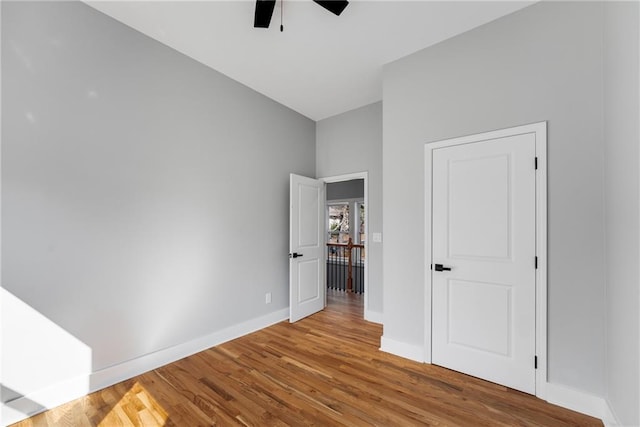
{"x": 352, "y": 142}
{"x": 622, "y": 214}
{"x": 353, "y": 189}
{"x": 132, "y": 179}
{"x": 541, "y": 63}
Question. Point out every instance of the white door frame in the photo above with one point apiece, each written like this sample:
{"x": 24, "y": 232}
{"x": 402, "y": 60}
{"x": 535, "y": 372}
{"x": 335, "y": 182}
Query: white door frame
{"x": 540, "y": 131}
{"x": 348, "y": 177}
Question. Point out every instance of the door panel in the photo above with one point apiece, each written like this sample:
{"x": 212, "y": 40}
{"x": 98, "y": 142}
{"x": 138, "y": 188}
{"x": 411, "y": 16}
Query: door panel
{"x": 308, "y": 214}
{"x": 479, "y": 316}
{"x": 484, "y": 230}
{"x": 481, "y": 189}
{"x": 306, "y": 241}
{"x": 308, "y": 272}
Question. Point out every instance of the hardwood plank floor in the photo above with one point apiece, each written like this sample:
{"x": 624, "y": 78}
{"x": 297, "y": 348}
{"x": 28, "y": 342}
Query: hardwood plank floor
{"x": 324, "y": 370}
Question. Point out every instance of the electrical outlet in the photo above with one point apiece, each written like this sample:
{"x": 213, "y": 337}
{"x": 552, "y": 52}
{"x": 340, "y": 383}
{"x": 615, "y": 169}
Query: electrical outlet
{"x": 377, "y": 237}
{"x": 267, "y": 298}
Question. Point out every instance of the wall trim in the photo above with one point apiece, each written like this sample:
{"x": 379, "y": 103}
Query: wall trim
{"x": 402, "y": 349}
{"x": 43, "y": 399}
{"x": 373, "y": 316}
{"x": 66, "y": 391}
{"x": 582, "y": 402}
{"x": 609, "y": 417}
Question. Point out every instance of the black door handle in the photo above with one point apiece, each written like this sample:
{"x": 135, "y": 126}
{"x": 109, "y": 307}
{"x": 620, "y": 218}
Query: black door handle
{"x": 295, "y": 255}
{"x": 440, "y": 267}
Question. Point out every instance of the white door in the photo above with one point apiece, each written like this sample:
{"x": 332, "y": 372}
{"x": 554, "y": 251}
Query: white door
{"x": 483, "y": 225}
{"x": 307, "y": 288}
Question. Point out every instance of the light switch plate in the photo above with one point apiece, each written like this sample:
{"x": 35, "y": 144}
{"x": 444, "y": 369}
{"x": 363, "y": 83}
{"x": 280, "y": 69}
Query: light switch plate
{"x": 377, "y": 237}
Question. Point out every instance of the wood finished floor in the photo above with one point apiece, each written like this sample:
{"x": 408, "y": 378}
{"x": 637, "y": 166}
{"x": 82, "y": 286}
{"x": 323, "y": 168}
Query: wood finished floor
{"x": 324, "y": 370}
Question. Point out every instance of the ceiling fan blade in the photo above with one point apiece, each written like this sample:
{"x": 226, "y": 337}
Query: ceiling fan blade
{"x": 264, "y": 11}
{"x": 333, "y": 6}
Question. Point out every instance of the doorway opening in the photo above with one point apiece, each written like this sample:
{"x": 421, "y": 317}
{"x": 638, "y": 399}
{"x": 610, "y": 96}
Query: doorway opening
{"x": 346, "y": 213}
{"x": 346, "y": 239}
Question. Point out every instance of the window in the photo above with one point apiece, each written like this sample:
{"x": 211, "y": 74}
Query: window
{"x": 339, "y": 223}
{"x": 346, "y": 220}
{"x": 362, "y": 237}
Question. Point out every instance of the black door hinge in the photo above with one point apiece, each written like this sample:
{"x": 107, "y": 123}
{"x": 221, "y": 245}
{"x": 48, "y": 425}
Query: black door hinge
{"x": 535, "y": 362}
{"x": 536, "y": 262}
{"x": 536, "y": 163}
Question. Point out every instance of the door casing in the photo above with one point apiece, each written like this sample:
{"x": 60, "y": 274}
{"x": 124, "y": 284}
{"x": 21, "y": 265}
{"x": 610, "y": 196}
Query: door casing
{"x": 540, "y": 131}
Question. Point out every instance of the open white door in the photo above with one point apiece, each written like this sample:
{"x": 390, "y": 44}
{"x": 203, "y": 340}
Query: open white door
{"x": 307, "y": 289}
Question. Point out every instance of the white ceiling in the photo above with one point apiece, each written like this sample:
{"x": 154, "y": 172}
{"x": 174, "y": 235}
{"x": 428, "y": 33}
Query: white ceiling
{"x": 322, "y": 64}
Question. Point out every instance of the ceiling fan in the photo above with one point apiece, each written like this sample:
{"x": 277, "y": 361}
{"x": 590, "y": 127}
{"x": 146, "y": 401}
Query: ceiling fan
{"x": 264, "y": 10}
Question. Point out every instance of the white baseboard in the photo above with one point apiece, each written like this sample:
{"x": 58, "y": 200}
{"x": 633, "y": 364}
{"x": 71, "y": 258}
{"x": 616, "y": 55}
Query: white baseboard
{"x": 373, "y": 316}
{"x": 43, "y": 399}
{"x": 114, "y": 374}
{"x": 402, "y": 349}
{"x": 609, "y": 418}
{"x": 58, "y": 394}
{"x": 582, "y": 402}
{"x": 9, "y": 415}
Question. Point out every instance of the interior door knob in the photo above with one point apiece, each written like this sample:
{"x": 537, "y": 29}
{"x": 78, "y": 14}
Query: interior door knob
{"x": 295, "y": 255}
{"x": 440, "y": 267}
